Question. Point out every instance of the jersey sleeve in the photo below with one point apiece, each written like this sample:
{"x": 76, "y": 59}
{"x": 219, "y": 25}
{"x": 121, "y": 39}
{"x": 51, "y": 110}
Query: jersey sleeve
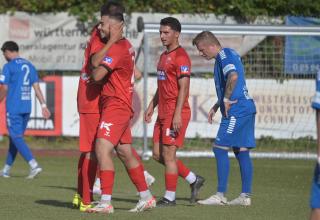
{"x": 112, "y": 58}
{"x": 5, "y": 75}
{"x": 183, "y": 66}
{"x": 227, "y": 62}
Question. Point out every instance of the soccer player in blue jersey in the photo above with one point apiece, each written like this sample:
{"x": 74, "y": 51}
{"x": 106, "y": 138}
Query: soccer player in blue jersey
{"x": 315, "y": 190}
{"x": 17, "y": 78}
{"x": 238, "y": 111}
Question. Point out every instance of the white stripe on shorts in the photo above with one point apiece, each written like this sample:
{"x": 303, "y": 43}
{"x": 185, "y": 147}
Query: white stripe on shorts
{"x": 231, "y": 125}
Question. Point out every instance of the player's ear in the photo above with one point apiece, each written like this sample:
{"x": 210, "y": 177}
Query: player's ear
{"x": 177, "y": 34}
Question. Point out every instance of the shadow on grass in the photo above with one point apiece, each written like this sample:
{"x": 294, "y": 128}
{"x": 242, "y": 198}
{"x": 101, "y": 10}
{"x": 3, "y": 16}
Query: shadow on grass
{"x": 62, "y": 187}
{"x": 55, "y": 203}
{"x": 125, "y": 200}
{"x": 182, "y": 199}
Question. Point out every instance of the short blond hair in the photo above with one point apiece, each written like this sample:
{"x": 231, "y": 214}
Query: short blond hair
{"x": 206, "y": 36}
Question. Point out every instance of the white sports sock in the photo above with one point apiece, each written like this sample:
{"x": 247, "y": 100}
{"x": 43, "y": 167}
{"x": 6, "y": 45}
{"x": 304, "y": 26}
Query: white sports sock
{"x": 170, "y": 195}
{"x": 191, "y": 178}
{"x": 221, "y": 194}
{"x": 145, "y": 195}
{"x": 97, "y": 182}
{"x": 33, "y": 163}
{"x": 246, "y": 195}
{"x": 6, "y": 168}
{"x": 145, "y": 173}
{"x": 105, "y": 198}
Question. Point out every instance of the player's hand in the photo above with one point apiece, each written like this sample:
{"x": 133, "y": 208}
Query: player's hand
{"x": 212, "y": 113}
{"x": 148, "y": 114}
{"x": 227, "y": 105}
{"x": 176, "y": 122}
{"x": 116, "y": 32}
{"x": 46, "y": 113}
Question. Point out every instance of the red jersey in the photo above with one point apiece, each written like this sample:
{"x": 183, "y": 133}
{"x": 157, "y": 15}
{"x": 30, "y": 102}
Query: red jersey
{"x": 89, "y": 93}
{"x": 119, "y": 60}
{"x": 171, "y": 67}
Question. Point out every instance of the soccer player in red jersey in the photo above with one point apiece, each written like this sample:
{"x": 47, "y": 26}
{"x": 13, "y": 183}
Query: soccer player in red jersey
{"x": 89, "y": 112}
{"x": 174, "y": 112}
{"x": 117, "y": 69}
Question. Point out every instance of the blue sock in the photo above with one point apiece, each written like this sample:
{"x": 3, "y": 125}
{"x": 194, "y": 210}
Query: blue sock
{"x": 12, "y": 153}
{"x": 22, "y": 148}
{"x": 246, "y": 170}
{"x": 223, "y": 167}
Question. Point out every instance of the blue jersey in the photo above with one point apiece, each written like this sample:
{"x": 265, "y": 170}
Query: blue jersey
{"x": 19, "y": 75}
{"x": 228, "y": 61}
{"x": 316, "y": 98}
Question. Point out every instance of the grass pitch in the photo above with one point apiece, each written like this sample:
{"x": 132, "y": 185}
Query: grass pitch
{"x": 280, "y": 191}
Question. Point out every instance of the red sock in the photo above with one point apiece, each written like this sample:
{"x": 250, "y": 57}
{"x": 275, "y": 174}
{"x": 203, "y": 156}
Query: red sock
{"x": 137, "y": 177}
{"x": 136, "y": 155}
{"x": 171, "y": 181}
{"x": 80, "y": 162}
{"x": 88, "y": 175}
{"x": 183, "y": 171}
{"x": 107, "y": 180}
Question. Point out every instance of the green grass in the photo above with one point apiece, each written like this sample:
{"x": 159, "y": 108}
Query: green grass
{"x": 280, "y": 192}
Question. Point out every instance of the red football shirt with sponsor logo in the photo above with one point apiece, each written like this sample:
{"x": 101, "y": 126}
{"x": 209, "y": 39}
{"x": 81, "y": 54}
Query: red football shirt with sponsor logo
{"x": 119, "y": 60}
{"x": 171, "y": 67}
{"x": 89, "y": 93}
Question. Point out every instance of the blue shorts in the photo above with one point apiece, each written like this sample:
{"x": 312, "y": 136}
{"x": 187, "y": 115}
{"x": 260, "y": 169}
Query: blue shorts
{"x": 236, "y": 132}
{"x": 17, "y": 124}
{"x": 315, "y": 189}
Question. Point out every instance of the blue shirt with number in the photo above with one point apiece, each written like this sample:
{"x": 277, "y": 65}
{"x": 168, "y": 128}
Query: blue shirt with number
{"x": 19, "y": 75}
{"x": 228, "y": 61}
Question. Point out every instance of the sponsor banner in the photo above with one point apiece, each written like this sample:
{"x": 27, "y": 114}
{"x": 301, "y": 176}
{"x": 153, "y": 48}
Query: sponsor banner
{"x": 284, "y": 111}
{"x": 57, "y": 41}
{"x": 37, "y": 125}
{"x": 302, "y": 53}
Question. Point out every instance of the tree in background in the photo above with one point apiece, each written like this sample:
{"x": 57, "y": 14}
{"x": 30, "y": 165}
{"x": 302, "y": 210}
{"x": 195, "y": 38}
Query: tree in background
{"x": 242, "y": 10}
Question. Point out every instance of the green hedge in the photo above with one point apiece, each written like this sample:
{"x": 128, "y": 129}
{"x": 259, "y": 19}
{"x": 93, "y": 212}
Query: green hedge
{"x": 242, "y": 10}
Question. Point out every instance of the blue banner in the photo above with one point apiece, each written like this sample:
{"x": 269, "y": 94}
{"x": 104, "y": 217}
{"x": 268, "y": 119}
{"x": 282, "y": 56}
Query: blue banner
{"x": 302, "y": 53}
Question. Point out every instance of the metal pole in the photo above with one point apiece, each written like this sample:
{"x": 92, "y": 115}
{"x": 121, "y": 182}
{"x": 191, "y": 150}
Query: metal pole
{"x": 227, "y": 29}
{"x": 145, "y": 94}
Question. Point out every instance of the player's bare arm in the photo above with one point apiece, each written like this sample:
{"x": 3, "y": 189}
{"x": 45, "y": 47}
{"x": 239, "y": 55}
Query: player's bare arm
{"x": 45, "y": 111}
{"x": 184, "y": 83}
{"x": 137, "y": 73}
{"x": 116, "y": 32}
{"x": 212, "y": 112}
{"x": 100, "y": 72}
{"x": 3, "y": 92}
{"x": 149, "y": 112}
{"x": 230, "y": 85}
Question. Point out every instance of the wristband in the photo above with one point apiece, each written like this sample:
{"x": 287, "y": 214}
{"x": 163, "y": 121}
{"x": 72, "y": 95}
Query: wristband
{"x": 43, "y": 105}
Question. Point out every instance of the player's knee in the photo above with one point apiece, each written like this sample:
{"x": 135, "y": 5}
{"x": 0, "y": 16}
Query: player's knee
{"x": 237, "y": 150}
{"x": 168, "y": 158}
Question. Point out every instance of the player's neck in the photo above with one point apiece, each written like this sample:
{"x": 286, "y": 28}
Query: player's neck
{"x": 13, "y": 56}
{"x": 172, "y": 47}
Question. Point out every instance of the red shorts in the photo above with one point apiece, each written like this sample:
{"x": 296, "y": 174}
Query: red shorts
{"x": 88, "y": 130}
{"x": 163, "y": 132}
{"x": 114, "y": 124}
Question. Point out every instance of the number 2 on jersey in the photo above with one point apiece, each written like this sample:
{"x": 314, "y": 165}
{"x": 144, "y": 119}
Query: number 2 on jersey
{"x": 25, "y": 68}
